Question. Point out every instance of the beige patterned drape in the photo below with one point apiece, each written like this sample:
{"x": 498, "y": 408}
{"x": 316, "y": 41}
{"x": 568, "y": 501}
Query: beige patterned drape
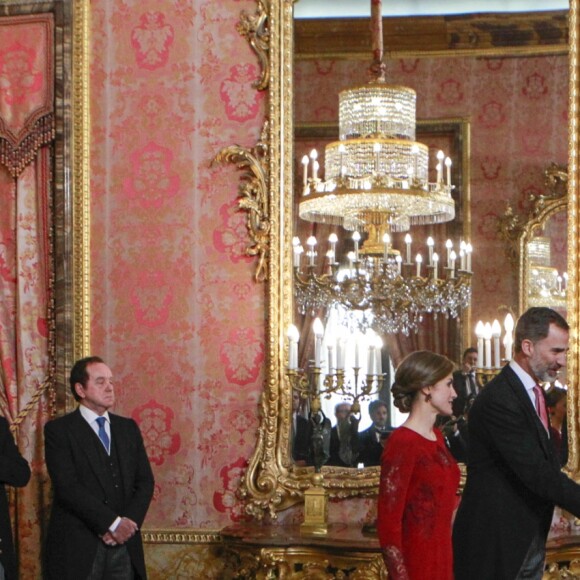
{"x": 26, "y": 270}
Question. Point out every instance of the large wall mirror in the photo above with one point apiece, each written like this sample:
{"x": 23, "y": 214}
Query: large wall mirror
{"x": 492, "y": 116}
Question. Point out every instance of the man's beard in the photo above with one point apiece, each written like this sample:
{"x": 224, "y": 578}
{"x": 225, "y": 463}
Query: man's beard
{"x": 542, "y": 371}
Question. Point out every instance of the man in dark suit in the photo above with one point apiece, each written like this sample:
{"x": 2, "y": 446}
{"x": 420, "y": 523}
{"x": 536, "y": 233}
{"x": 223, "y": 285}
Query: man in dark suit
{"x": 464, "y": 383}
{"x": 372, "y": 440}
{"x": 513, "y": 473}
{"x": 344, "y": 437}
{"x": 102, "y": 483}
{"x": 14, "y": 471}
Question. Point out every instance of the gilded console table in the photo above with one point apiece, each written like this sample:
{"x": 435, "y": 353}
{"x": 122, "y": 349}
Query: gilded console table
{"x": 259, "y": 551}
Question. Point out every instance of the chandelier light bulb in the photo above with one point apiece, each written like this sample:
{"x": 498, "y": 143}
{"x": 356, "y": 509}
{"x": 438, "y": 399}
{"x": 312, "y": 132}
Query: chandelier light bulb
{"x": 314, "y": 154}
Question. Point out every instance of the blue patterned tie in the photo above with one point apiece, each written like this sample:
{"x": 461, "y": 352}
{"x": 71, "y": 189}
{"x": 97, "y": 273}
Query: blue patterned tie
{"x": 102, "y": 433}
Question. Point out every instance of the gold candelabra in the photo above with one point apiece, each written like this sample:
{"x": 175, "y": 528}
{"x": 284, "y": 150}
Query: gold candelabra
{"x": 311, "y": 384}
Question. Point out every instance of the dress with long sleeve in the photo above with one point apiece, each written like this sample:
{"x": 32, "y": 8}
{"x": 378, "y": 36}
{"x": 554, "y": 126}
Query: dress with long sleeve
{"x": 417, "y": 498}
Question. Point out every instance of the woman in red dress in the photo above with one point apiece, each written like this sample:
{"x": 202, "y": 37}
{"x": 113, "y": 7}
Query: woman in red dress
{"x": 419, "y": 477}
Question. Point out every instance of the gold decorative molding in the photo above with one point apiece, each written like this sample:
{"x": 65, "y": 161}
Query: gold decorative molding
{"x": 177, "y": 536}
{"x": 514, "y": 227}
{"x": 253, "y": 196}
{"x": 488, "y": 35}
{"x": 573, "y": 247}
{"x": 80, "y": 179}
{"x": 256, "y": 30}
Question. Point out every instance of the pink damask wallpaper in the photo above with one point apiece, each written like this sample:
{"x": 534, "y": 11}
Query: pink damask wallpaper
{"x": 175, "y": 310}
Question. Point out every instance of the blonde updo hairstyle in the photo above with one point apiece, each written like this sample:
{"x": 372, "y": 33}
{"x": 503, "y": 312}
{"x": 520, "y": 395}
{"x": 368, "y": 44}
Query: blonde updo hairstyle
{"x": 415, "y": 372}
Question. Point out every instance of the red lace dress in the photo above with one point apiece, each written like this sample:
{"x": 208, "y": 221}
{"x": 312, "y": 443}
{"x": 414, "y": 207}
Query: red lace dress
{"x": 417, "y": 498}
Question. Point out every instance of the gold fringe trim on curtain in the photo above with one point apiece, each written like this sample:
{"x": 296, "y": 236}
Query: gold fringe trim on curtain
{"x": 17, "y": 157}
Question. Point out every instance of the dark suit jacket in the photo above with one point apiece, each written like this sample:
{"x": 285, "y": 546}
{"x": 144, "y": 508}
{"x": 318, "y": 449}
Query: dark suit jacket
{"x": 81, "y": 510}
{"x": 370, "y": 450}
{"x": 335, "y": 458}
{"x": 460, "y": 388}
{"x": 513, "y": 482}
{"x": 14, "y": 471}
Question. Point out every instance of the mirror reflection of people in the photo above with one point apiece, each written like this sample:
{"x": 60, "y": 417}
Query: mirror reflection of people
{"x": 344, "y": 437}
{"x": 514, "y": 478}
{"x": 300, "y": 432}
{"x": 370, "y": 447}
{"x": 464, "y": 381}
{"x": 556, "y": 404}
{"x": 419, "y": 477}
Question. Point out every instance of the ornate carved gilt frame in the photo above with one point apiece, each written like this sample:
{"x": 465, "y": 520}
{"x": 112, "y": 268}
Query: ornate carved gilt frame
{"x": 270, "y": 483}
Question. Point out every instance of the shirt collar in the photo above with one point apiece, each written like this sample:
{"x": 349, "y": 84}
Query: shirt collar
{"x": 90, "y": 416}
{"x": 526, "y": 379}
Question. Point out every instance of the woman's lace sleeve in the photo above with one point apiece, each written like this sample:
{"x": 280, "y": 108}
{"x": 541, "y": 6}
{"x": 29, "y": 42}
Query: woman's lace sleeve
{"x": 396, "y": 472}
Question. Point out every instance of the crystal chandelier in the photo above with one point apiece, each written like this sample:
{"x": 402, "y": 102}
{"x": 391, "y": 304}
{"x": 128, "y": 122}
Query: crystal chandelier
{"x": 376, "y": 182}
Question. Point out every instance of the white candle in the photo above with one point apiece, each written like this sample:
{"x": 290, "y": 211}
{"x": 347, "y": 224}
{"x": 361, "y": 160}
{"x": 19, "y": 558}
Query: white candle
{"x": 448, "y": 163}
{"x": 435, "y": 264}
{"x": 296, "y": 251}
{"x": 430, "y": 244}
{"x": 440, "y": 157}
{"x": 315, "y": 168}
{"x": 479, "y": 332}
{"x": 330, "y": 349}
{"x": 496, "y": 333}
{"x": 293, "y": 337}
{"x": 350, "y": 257}
{"x": 418, "y": 259}
{"x": 408, "y": 244}
{"x": 305, "y": 165}
{"x": 357, "y": 347}
{"x": 468, "y": 250}
{"x": 487, "y": 345}
{"x": 449, "y": 247}
{"x": 399, "y": 261}
{"x": 453, "y": 257}
{"x": 340, "y": 350}
{"x": 462, "y": 247}
{"x": 386, "y": 241}
{"x": 508, "y": 338}
{"x": 318, "y": 329}
{"x": 371, "y": 359}
{"x": 378, "y": 355}
{"x": 333, "y": 239}
{"x": 356, "y": 239}
{"x": 311, "y": 243}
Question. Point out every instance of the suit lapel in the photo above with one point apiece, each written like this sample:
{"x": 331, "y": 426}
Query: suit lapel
{"x": 524, "y": 399}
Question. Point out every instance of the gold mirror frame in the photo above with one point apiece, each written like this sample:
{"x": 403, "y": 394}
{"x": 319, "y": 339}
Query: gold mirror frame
{"x": 529, "y": 231}
{"x": 271, "y": 483}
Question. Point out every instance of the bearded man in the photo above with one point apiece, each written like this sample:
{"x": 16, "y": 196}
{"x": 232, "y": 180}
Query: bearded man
{"x": 513, "y": 473}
